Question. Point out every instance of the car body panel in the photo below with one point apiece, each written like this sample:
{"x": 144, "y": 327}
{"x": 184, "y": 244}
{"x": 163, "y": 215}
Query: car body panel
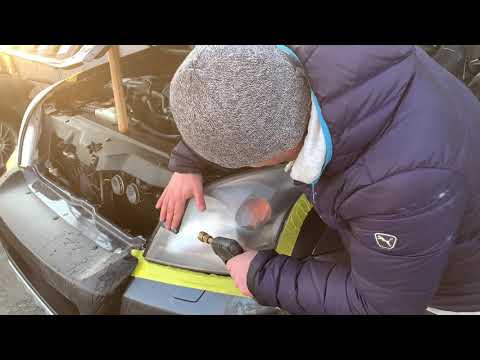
{"x": 145, "y": 297}
{"x": 86, "y": 53}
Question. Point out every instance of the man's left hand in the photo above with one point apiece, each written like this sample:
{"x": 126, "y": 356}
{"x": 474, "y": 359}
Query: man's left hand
{"x": 238, "y": 267}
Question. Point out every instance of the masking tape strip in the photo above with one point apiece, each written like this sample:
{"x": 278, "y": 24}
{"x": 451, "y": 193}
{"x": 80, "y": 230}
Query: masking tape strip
{"x": 293, "y": 225}
{"x": 12, "y": 161}
{"x": 183, "y": 277}
{"x": 72, "y": 78}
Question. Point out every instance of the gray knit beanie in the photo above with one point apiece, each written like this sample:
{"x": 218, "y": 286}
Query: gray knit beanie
{"x": 240, "y": 105}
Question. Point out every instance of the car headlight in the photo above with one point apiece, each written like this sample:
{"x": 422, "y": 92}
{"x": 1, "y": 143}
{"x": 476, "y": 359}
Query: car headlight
{"x": 250, "y": 208}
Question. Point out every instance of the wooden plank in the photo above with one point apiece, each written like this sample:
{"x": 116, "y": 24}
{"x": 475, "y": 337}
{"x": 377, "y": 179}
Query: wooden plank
{"x": 118, "y": 93}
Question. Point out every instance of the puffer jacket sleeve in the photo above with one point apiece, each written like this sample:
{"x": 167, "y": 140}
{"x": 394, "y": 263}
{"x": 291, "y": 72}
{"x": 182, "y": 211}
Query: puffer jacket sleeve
{"x": 422, "y": 209}
{"x": 183, "y": 160}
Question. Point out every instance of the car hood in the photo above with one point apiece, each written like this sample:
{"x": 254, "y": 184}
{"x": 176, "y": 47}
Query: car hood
{"x": 85, "y": 55}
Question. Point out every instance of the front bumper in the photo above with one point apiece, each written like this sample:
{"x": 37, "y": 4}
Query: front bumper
{"x": 67, "y": 270}
{"x": 36, "y": 296}
{"x": 146, "y": 297}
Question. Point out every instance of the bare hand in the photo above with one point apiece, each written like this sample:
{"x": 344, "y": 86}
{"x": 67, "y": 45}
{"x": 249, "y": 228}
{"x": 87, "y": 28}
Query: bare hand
{"x": 180, "y": 189}
{"x": 238, "y": 268}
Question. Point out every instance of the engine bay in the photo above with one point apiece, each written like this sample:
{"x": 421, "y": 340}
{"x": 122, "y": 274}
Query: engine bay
{"x": 121, "y": 176}
{"x": 81, "y": 150}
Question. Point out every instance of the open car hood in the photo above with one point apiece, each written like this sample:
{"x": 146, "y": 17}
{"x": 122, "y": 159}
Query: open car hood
{"x": 85, "y": 54}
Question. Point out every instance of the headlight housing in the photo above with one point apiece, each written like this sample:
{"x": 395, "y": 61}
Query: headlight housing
{"x": 249, "y": 207}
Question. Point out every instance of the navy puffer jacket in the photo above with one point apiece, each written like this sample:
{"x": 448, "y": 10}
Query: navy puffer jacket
{"x": 402, "y": 189}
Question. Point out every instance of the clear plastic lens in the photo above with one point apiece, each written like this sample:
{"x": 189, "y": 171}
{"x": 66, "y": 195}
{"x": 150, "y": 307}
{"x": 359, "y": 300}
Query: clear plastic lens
{"x": 249, "y": 208}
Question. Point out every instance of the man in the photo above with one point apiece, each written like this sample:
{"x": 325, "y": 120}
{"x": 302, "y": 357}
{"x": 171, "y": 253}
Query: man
{"x": 385, "y": 143}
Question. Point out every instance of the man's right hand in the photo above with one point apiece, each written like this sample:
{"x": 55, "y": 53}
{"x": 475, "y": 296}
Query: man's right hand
{"x": 180, "y": 189}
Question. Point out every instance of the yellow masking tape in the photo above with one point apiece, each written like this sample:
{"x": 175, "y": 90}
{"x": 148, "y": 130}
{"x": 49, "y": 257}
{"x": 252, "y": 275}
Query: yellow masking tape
{"x": 72, "y": 78}
{"x": 182, "y": 277}
{"x": 12, "y": 161}
{"x": 293, "y": 225}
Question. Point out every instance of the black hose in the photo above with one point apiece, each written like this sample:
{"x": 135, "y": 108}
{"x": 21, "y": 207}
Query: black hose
{"x": 172, "y": 138}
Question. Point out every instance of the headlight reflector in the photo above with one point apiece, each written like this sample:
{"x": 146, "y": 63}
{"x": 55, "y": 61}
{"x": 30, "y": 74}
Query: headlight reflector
{"x": 253, "y": 213}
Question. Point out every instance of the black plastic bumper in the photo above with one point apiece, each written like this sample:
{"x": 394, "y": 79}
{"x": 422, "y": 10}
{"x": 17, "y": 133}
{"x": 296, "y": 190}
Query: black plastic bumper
{"x": 71, "y": 273}
{"x": 154, "y": 298}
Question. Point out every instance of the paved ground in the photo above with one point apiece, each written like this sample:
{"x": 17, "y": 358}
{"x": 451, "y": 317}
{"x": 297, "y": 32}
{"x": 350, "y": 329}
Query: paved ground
{"x": 14, "y": 298}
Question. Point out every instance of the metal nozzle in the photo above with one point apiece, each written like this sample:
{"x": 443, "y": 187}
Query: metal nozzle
{"x": 204, "y": 237}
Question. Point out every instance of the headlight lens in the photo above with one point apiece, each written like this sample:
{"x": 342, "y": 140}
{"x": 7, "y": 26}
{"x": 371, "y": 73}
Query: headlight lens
{"x": 249, "y": 208}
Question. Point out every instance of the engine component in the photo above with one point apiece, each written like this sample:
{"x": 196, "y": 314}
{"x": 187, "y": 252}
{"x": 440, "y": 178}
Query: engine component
{"x": 8, "y": 140}
{"x": 133, "y": 210}
{"x": 130, "y": 207}
{"x": 463, "y": 61}
{"x": 51, "y": 169}
{"x": 106, "y": 114}
{"x": 69, "y": 151}
{"x": 452, "y": 58}
{"x": 118, "y": 186}
{"x": 94, "y": 145}
{"x": 133, "y": 194}
{"x": 147, "y": 99}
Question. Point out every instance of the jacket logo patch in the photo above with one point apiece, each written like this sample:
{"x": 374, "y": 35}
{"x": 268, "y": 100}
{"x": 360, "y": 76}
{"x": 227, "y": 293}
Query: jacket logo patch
{"x": 385, "y": 241}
